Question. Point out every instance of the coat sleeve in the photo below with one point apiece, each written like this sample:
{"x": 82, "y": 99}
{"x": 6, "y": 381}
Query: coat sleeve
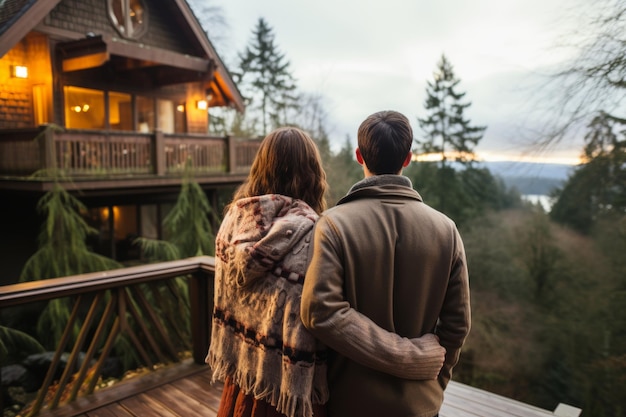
{"x": 455, "y": 316}
{"x": 327, "y": 314}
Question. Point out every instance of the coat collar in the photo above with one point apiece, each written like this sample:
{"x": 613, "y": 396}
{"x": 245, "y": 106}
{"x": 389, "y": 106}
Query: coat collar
{"x": 398, "y": 185}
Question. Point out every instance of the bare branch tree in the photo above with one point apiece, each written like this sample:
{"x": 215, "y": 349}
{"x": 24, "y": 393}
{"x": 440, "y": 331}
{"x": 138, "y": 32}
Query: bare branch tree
{"x": 593, "y": 80}
{"x": 212, "y": 20}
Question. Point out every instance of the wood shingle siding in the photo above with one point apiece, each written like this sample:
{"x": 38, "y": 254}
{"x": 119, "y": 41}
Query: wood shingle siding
{"x": 84, "y": 16}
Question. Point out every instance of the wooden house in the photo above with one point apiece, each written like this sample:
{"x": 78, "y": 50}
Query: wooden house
{"x": 110, "y": 98}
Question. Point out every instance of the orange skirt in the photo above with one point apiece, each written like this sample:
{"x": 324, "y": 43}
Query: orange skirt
{"x": 235, "y": 403}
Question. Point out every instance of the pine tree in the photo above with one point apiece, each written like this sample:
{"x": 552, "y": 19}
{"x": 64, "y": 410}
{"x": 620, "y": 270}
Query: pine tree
{"x": 448, "y": 132}
{"x": 188, "y": 232}
{"x": 446, "y": 129}
{"x": 266, "y": 80}
{"x": 187, "y": 227}
{"x": 597, "y": 188}
{"x": 62, "y": 252}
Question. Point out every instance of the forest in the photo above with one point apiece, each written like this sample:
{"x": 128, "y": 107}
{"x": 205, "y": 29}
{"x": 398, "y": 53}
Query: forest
{"x": 548, "y": 288}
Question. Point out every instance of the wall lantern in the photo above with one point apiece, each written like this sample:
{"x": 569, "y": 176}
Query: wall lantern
{"x": 19, "y": 71}
{"x": 202, "y": 104}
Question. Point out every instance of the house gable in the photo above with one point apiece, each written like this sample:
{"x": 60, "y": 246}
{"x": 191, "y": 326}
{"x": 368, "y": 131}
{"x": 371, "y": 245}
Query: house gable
{"x": 173, "y": 40}
{"x": 172, "y": 27}
{"x": 92, "y": 17}
{"x": 18, "y": 17}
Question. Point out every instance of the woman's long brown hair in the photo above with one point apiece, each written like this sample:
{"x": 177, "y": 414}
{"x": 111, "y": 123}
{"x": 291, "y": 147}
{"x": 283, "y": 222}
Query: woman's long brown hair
{"x": 288, "y": 163}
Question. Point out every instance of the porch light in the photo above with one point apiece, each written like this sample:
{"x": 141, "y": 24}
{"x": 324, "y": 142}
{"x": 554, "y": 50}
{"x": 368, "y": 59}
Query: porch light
{"x": 180, "y": 108}
{"x": 202, "y": 104}
{"x": 19, "y": 71}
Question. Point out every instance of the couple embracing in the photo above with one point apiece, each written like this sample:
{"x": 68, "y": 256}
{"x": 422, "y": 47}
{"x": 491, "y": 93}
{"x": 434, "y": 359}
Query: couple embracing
{"x": 357, "y": 310}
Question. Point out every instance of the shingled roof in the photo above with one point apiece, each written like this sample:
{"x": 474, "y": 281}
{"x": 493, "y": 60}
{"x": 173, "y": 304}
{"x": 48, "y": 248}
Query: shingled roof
{"x": 19, "y": 17}
{"x": 11, "y": 10}
{"x": 28, "y": 12}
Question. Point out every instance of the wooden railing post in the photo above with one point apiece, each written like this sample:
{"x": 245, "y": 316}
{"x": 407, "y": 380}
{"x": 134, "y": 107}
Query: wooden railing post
{"x": 46, "y": 149}
{"x": 1, "y": 394}
{"x": 159, "y": 153}
{"x": 129, "y": 297}
{"x": 232, "y": 154}
{"x": 201, "y": 299}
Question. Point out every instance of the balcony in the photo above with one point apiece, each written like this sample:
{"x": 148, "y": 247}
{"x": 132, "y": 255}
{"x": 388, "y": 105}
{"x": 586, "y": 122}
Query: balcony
{"x": 31, "y": 159}
{"x": 108, "y": 305}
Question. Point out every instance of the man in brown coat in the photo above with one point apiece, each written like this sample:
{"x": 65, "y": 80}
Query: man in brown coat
{"x": 385, "y": 254}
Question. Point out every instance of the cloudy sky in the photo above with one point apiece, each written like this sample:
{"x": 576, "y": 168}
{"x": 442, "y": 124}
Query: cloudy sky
{"x": 363, "y": 56}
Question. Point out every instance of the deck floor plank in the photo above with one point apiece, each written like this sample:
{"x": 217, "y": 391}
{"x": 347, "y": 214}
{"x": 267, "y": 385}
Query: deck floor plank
{"x": 113, "y": 410}
{"x": 186, "y": 390}
{"x": 170, "y": 396}
{"x": 199, "y": 388}
{"x": 487, "y": 404}
{"x": 448, "y": 410}
{"x": 146, "y": 405}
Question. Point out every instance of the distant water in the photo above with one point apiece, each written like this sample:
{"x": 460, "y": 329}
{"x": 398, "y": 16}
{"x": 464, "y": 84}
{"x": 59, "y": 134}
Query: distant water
{"x": 529, "y": 169}
{"x": 545, "y": 200}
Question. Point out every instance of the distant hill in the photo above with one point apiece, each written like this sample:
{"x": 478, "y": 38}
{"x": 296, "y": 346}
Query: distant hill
{"x": 530, "y": 177}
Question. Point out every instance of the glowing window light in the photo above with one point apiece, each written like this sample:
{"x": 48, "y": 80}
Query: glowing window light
{"x": 84, "y": 108}
{"x": 19, "y": 71}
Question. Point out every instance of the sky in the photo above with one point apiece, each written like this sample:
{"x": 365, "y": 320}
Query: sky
{"x": 363, "y": 56}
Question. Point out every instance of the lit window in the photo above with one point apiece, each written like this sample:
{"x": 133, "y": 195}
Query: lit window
{"x": 165, "y": 115}
{"x": 145, "y": 114}
{"x": 129, "y": 17}
{"x": 120, "y": 111}
{"x": 84, "y": 108}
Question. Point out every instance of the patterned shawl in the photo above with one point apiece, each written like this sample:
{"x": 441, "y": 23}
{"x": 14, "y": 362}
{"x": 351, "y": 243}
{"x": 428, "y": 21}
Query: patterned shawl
{"x": 258, "y": 338}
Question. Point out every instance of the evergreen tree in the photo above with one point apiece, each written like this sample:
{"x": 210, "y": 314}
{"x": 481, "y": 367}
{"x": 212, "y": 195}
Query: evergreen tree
{"x": 598, "y": 187}
{"x": 446, "y": 129}
{"x": 189, "y": 223}
{"x": 265, "y": 78}
{"x": 342, "y": 171}
{"x": 187, "y": 227}
{"x": 448, "y": 132}
{"x": 188, "y": 232}
{"x": 62, "y": 252}
{"x": 467, "y": 194}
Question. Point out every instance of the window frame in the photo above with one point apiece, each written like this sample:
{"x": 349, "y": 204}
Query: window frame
{"x": 126, "y": 28}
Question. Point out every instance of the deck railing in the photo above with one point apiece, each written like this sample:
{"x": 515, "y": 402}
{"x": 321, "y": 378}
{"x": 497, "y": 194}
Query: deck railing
{"x": 93, "y": 153}
{"x": 125, "y": 303}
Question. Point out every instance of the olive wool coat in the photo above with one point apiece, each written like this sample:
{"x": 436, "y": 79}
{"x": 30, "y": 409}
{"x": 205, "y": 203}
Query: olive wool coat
{"x": 384, "y": 253}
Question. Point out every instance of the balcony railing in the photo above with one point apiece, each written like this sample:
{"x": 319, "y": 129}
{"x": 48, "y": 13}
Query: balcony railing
{"x": 117, "y": 298}
{"x": 92, "y": 154}
{"x": 125, "y": 303}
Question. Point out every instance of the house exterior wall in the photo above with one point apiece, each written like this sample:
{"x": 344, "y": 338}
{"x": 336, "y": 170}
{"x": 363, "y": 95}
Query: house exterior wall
{"x": 17, "y": 94}
{"x": 25, "y": 103}
{"x": 197, "y": 120}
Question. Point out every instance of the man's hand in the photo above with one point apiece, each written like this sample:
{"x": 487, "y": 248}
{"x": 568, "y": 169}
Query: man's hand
{"x": 434, "y": 355}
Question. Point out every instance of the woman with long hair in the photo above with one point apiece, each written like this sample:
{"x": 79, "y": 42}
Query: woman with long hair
{"x": 270, "y": 364}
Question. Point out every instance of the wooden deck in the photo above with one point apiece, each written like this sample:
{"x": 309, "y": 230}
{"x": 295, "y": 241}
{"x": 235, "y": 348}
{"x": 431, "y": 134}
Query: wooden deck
{"x": 182, "y": 389}
{"x": 185, "y": 390}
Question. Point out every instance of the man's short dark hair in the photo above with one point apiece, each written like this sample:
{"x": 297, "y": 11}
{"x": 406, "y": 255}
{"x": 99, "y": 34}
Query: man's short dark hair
{"x": 385, "y": 140}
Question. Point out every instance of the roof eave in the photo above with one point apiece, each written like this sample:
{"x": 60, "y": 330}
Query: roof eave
{"x": 29, "y": 17}
{"x": 225, "y": 80}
